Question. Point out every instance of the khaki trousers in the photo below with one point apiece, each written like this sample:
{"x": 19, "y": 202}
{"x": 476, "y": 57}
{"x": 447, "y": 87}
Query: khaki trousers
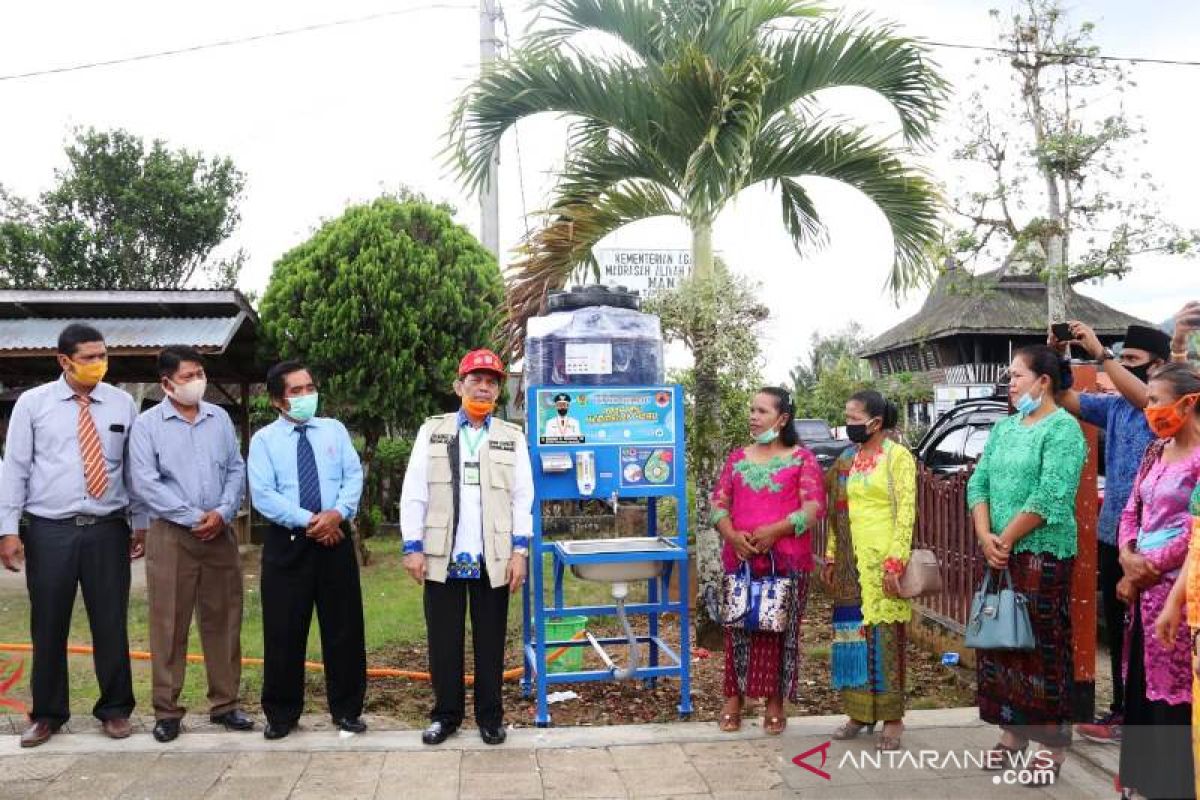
{"x": 185, "y": 575}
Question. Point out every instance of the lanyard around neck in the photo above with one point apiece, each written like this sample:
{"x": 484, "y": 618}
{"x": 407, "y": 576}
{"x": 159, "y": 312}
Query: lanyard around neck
{"x": 473, "y": 439}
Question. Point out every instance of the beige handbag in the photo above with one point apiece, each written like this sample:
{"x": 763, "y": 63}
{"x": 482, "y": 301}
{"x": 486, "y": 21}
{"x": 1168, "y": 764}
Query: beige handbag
{"x": 922, "y": 574}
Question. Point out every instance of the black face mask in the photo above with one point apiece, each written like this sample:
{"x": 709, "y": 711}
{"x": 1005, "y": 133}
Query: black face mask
{"x": 858, "y": 433}
{"x": 562, "y": 412}
{"x": 1142, "y": 373}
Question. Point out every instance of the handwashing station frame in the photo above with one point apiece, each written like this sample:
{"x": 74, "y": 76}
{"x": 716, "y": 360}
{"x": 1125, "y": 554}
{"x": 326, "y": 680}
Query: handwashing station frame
{"x": 626, "y": 428}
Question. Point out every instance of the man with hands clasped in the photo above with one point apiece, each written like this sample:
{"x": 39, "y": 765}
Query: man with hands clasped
{"x": 466, "y": 514}
{"x": 305, "y": 477}
{"x": 189, "y": 474}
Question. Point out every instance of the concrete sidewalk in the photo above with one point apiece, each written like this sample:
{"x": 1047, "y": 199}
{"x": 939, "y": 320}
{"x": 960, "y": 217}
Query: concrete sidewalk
{"x": 691, "y": 760}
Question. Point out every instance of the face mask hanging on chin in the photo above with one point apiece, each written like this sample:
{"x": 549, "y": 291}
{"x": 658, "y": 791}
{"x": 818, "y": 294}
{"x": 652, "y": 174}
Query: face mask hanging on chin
{"x": 478, "y": 409}
{"x": 767, "y": 437}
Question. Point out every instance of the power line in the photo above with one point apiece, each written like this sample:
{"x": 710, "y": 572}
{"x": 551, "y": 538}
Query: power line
{"x": 232, "y": 42}
{"x": 1174, "y": 62}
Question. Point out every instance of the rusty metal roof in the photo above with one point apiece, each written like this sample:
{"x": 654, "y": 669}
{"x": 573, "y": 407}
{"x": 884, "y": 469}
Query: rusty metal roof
{"x": 124, "y": 333}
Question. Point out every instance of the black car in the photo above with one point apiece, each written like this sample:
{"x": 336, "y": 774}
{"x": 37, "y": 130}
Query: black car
{"x": 816, "y": 436}
{"x": 957, "y": 438}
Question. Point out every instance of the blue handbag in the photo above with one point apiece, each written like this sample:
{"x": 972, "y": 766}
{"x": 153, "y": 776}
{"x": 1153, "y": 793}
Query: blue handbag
{"x": 756, "y": 604}
{"x": 999, "y": 618}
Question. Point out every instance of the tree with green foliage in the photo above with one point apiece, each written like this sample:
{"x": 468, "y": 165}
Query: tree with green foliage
{"x": 124, "y": 216}
{"x": 699, "y": 101}
{"x": 833, "y": 371}
{"x": 382, "y": 303}
{"x": 1063, "y": 194}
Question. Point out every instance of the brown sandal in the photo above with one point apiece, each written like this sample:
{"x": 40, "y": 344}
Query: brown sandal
{"x": 885, "y": 741}
{"x": 1001, "y": 757}
{"x": 774, "y": 725}
{"x": 731, "y": 722}
{"x": 850, "y": 729}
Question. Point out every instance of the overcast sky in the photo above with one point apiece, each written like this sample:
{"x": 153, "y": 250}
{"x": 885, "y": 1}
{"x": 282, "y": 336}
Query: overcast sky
{"x": 321, "y": 119}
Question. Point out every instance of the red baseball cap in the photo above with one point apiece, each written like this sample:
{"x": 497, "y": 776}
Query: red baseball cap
{"x": 481, "y": 361}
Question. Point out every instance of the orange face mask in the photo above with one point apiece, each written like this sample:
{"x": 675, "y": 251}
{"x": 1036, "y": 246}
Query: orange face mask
{"x": 478, "y": 409}
{"x": 1166, "y": 421}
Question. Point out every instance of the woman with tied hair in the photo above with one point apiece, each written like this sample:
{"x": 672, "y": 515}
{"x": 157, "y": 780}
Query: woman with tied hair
{"x": 873, "y": 486}
{"x": 1022, "y": 500}
{"x": 768, "y": 496}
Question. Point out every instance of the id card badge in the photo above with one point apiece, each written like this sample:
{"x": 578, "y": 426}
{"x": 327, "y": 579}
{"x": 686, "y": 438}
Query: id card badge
{"x": 471, "y": 473}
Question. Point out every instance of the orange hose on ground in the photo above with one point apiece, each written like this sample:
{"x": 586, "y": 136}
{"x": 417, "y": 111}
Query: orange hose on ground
{"x": 372, "y": 672}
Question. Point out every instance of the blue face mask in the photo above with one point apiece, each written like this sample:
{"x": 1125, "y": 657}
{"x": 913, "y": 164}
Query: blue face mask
{"x": 1026, "y": 404}
{"x": 302, "y": 408}
{"x": 766, "y": 437}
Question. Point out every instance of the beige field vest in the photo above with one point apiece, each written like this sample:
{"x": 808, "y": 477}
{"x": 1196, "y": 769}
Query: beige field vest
{"x": 497, "y": 465}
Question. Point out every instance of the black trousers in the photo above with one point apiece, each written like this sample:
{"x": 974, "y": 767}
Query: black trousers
{"x": 445, "y": 622}
{"x": 1114, "y": 617}
{"x": 298, "y": 574}
{"x": 59, "y": 557}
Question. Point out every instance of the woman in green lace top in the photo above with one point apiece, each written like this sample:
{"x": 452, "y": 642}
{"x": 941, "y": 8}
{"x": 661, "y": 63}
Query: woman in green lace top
{"x": 1022, "y": 500}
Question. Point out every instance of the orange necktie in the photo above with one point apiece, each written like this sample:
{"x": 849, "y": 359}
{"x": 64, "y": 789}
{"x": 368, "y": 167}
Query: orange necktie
{"x": 95, "y": 473}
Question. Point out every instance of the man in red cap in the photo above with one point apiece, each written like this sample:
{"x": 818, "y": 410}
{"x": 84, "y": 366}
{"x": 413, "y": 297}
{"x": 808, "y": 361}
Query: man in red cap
{"x": 466, "y": 514}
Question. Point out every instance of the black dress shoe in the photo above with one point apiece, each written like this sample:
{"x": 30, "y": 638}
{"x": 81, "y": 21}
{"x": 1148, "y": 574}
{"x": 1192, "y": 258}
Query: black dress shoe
{"x": 277, "y": 730}
{"x": 233, "y": 720}
{"x": 166, "y": 730}
{"x": 438, "y": 732}
{"x": 351, "y": 724}
{"x": 491, "y": 735}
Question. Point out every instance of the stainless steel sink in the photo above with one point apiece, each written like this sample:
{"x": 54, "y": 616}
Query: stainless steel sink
{"x": 618, "y": 571}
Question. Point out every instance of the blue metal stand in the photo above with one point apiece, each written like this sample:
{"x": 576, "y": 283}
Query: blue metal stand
{"x": 664, "y": 660}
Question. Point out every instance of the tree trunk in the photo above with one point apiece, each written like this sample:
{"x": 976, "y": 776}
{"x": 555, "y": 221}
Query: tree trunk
{"x": 705, "y": 459}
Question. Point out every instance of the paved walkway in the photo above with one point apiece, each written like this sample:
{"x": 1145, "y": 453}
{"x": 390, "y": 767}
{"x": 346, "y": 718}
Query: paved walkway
{"x": 688, "y": 760}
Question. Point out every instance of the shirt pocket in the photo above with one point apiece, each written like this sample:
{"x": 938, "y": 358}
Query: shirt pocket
{"x": 503, "y": 465}
{"x": 113, "y": 444}
{"x": 436, "y": 539}
{"x": 439, "y": 469}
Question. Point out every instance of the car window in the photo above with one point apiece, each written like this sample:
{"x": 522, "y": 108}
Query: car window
{"x": 947, "y": 452}
{"x": 976, "y": 439}
{"x": 812, "y": 430}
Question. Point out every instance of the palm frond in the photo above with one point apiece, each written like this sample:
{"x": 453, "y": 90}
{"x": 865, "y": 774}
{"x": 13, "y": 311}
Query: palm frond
{"x": 610, "y": 93}
{"x": 630, "y": 22}
{"x": 849, "y": 52}
{"x": 908, "y": 199}
{"x": 548, "y": 256}
{"x": 734, "y": 30}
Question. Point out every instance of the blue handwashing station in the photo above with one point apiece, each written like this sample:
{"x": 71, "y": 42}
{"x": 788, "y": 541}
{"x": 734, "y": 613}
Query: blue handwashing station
{"x": 602, "y": 425}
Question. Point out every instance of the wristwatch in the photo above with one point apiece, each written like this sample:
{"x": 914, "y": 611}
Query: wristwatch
{"x": 1106, "y": 355}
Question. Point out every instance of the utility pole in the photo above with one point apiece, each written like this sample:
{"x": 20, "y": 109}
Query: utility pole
{"x": 489, "y": 199}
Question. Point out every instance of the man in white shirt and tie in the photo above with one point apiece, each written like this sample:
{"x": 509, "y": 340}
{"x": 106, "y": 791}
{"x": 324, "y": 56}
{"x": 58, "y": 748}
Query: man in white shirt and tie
{"x": 563, "y": 426}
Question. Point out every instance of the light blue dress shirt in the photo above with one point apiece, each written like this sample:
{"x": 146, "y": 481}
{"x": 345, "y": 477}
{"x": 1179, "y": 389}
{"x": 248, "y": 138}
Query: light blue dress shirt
{"x": 43, "y": 471}
{"x": 274, "y": 488}
{"x": 181, "y": 469}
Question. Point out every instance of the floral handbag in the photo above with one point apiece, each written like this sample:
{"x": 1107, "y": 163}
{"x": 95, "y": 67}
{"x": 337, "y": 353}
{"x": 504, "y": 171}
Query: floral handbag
{"x": 756, "y": 604}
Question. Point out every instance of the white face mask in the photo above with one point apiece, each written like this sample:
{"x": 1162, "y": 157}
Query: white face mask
{"x": 190, "y": 393}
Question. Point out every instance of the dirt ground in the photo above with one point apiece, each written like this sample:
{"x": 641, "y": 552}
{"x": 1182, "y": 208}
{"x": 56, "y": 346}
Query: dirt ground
{"x": 930, "y": 685}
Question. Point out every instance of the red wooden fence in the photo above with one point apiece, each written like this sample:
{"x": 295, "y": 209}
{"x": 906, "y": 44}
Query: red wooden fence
{"x": 943, "y": 526}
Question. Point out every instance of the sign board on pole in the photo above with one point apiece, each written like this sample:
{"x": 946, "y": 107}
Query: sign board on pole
{"x": 648, "y": 271}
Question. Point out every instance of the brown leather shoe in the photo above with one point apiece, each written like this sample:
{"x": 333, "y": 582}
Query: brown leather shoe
{"x": 117, "y": 728}
{"x": 38, "y": 732}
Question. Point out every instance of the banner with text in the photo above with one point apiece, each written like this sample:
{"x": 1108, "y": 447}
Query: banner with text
{"x": 646, "y": 271}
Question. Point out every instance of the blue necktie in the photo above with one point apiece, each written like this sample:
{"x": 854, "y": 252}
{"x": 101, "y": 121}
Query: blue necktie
{"x": 306, "y": 473}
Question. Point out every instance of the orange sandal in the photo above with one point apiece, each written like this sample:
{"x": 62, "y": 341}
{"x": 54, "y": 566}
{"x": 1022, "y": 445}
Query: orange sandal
{"x": 730, "y": 721}
{"x": 774, "y": 725}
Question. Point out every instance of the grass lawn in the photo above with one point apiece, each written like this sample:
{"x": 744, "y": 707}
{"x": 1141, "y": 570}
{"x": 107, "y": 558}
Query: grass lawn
{"x": 395, "y": 633}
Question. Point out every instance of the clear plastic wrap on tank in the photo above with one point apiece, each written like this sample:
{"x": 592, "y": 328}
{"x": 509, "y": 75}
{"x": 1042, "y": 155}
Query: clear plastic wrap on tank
{"x": 594, "y": 346}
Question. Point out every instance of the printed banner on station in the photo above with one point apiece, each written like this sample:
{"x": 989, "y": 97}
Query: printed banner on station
{"x": 625, "y": 417}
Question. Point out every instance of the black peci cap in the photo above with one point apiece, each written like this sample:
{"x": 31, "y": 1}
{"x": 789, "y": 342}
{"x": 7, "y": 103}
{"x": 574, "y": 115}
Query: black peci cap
{"x": 1152, "y": 340}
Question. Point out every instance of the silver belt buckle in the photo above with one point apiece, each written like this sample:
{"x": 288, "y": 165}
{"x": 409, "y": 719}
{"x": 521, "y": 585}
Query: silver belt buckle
{"x": 83, "y": 520}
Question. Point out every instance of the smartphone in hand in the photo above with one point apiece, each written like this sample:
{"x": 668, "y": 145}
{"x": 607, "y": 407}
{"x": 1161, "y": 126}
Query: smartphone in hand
{"x": 1062, "y": 332}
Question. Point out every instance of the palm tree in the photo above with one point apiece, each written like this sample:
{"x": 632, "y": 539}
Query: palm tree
{"x": 700, "y": 100}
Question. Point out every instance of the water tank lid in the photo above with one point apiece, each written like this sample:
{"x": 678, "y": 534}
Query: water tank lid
{"x": 588, "y": 296}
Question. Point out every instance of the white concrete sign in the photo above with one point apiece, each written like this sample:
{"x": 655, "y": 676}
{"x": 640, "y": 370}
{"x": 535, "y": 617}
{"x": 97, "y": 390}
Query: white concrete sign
{"x": 647, "y": 271}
